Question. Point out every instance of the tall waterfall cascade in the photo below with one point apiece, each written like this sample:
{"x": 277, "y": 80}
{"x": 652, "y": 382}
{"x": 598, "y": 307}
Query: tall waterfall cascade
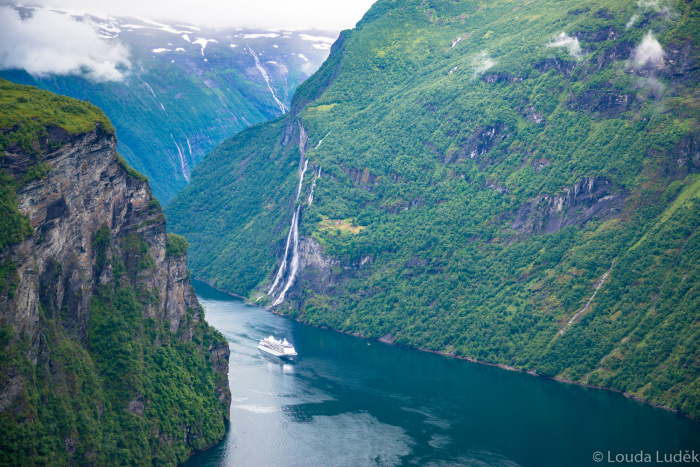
{"x": 293, "y": 236}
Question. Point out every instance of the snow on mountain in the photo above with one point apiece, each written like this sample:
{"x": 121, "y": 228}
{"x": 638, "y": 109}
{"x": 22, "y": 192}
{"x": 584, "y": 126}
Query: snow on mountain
{"x": 248, "y": 76}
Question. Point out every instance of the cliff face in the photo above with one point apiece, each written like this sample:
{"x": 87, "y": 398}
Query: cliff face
{"x": 102, "y": 333}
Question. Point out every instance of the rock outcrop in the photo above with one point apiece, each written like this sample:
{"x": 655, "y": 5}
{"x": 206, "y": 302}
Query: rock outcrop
{"x": 99, "y": 249}
{"x": 589, "y": 198}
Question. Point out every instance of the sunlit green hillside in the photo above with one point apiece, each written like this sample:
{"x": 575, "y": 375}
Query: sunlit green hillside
{"x": 512, "y": 182}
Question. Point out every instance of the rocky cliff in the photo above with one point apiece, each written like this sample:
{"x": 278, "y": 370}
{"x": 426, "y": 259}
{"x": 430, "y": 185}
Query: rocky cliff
{"x": 105, "y": 354}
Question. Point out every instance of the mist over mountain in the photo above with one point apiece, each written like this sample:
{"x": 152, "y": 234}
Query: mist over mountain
{"x": 173, "y": 91}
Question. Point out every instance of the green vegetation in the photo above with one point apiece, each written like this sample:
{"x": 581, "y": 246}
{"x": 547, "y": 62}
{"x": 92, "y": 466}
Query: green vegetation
{"x": 131, "y": 171}
{"x": 25, "y": 113}
{"x": 14, "y": 227}
{"x": 498, "y": 178}
{"x": 176, "y": 245}
{"x": 124, "y": 399}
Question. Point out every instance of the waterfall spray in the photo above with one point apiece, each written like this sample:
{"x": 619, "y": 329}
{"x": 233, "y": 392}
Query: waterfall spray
{"x": 295, "y": 259}
{"x": 283, "y": 266}
{"x": 301, "y": 178}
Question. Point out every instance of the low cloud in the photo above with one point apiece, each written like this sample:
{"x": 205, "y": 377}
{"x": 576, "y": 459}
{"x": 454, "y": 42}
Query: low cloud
{"x": 54, "y": 43}
{"x": 658, "y": 6}
{"x": 631, "y": 22}
{"x": 482, "y": 62}
{"x": 653, "y": 87}
{"x": 648, "y": 52}
{"x": 570, "y": 43}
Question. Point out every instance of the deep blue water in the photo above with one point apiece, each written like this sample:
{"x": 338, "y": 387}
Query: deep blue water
{"x": 355, "y": 402}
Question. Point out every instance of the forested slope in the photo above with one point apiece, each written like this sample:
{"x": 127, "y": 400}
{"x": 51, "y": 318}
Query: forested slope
{"x": 513, "y": 182}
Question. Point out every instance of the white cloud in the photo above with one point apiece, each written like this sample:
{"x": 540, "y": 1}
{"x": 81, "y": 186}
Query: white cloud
{"x": 645, "y": 6}
{"x": 659, "y": 6}
{"x": 632, "y": 20}
{"x": 482, "y": 62}
{"x": 655, "y": 87}
{"x": 51, "y": 42}
{"x": 571, "y": 43}
{"x": 649, "y": 51}
{"x": 330, "y": 15}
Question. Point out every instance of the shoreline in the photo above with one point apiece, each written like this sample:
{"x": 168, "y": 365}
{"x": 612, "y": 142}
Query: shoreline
{"x": 219, "y": 290}
{"x": 498, "y": 365}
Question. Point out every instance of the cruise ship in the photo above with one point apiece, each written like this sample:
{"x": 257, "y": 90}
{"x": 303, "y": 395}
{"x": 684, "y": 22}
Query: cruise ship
{"x": 278, "y": 348}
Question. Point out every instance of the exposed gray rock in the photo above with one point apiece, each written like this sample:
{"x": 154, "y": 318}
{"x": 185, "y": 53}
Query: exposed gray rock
{"x": 317, "y": 271}
{"x": 59, "y": 268}
{"x": 589, "y": 198}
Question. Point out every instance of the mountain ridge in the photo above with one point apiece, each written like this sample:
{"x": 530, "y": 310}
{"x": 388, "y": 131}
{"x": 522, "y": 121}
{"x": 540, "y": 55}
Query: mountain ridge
{"x": 196, "y": 86}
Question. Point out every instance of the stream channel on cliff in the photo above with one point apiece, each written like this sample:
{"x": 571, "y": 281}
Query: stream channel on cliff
{"x": 349, "y": 401}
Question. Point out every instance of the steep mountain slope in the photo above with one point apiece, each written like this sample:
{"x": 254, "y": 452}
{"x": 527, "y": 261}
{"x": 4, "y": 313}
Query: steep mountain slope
{"x": 105, "y": 357}
{"x": 511, "y": 182}
{"x": 189, "y": 88}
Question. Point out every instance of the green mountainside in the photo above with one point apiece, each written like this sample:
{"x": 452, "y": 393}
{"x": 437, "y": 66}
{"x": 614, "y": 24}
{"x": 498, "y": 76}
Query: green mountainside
{"x": 511, "y": 182}
{"x": 105, "y": 357}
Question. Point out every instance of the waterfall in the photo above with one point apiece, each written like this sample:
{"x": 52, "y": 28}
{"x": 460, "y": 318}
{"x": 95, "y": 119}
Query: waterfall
{"x": 262, "y": 71}
{"x": 183, "y": 163}
{"x": 293, "y": 235}
{"x": 283, "y": 266}
{"x": 310, "y": 199}
{"x": 190, "y": 148}
{"x": 321, "y": 141}
{"x": 301, "y": 179}
{"x": 295, "y": 259}
{"x": 154, "y": 94}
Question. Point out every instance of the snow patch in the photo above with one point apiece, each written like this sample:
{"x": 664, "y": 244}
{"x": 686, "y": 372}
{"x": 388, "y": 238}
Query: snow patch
{"x": 160, "y": 26}
{"x": 160, "y": 50}
{"x": 257, "y": 36}
{"x": 323, "y": 46}
{"x": 203, "y": 43}
{"x": 302, "y": 57}
{"x": 186, "y": 37}
{"x": 179, "y": 49}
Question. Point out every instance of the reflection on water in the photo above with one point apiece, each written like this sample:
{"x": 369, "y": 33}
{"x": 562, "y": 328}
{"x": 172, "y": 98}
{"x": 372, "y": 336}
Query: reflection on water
{"x": 347, "y": 403}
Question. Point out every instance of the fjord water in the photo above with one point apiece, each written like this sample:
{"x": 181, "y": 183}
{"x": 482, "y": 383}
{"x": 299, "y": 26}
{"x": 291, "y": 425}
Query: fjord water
{"x": 354, "y": 402}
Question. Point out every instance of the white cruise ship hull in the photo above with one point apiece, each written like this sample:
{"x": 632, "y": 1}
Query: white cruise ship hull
{"x": 274, "y": 353}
